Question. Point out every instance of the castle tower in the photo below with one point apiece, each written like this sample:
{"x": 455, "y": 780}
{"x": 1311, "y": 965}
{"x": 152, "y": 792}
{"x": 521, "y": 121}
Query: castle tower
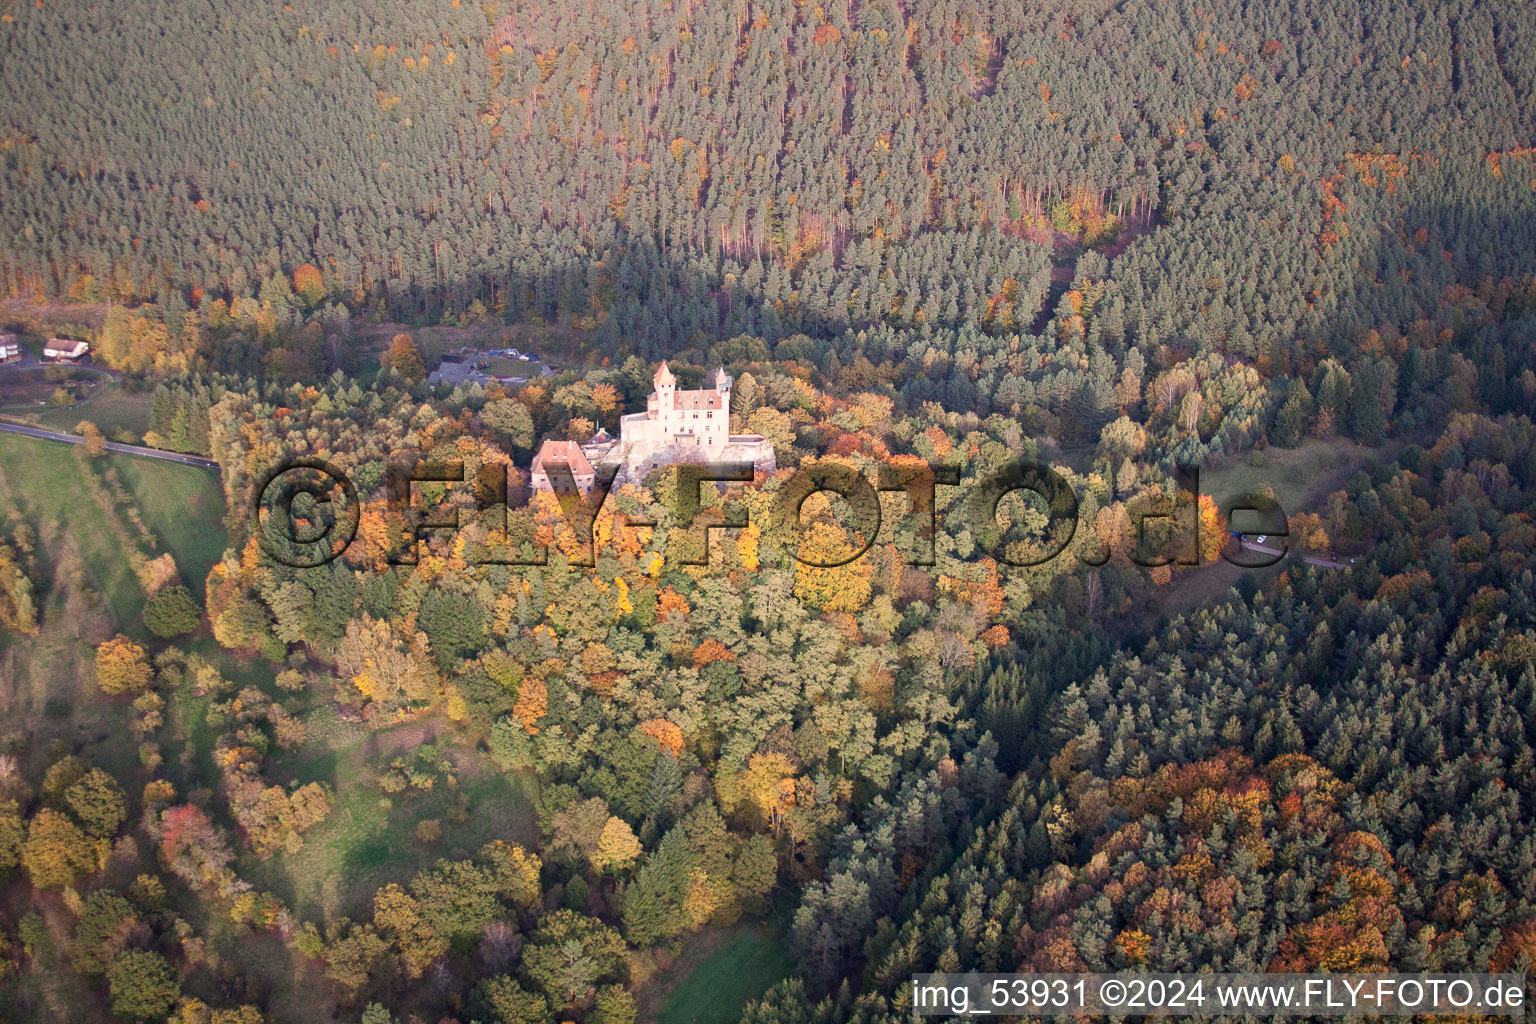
{"x": 717, "y": 433}
{"x": 665, "y": 402}
{"x": 723, "y": 385}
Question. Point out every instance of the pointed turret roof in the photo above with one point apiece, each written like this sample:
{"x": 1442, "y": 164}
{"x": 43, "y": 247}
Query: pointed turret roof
{"x": 663, "y": 375}
{"x": 722, "y": 379}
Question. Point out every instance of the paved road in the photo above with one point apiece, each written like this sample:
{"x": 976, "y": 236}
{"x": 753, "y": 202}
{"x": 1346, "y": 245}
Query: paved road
{"x": 29, "y": 361}
{"x": 1326, "y": 563}
{"x": 112, "y": 446}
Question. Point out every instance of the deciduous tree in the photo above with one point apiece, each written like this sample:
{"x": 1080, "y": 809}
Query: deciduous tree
{"x": 56, "y": 853}
{"x": 122, "y": 667}
{"x": 142, "y": 985}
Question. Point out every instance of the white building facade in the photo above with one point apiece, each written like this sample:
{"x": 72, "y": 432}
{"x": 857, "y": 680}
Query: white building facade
{"x": 680, "y": 426}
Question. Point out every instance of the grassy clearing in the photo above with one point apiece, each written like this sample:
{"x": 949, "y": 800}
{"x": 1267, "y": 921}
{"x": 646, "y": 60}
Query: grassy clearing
{"x": 110, "y": 407}
{"x": 86, "y": 591}
{"x": 47, "y": 682}
{"x": 48, "y": 481}
{"x": 1297, "y": 475}
{"x": 369, "y": 840}
{"x": 184, "y": 506}
{"x": 739, "y": 970}
{"x": 1301, "y": 478}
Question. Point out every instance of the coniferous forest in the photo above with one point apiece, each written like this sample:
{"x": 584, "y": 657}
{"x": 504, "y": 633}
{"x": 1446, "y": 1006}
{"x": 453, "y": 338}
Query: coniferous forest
{"x": 563, "y": 761}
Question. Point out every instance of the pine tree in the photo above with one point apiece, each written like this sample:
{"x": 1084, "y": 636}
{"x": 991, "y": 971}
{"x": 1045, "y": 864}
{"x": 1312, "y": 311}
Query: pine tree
{"x": 653, "y": 902}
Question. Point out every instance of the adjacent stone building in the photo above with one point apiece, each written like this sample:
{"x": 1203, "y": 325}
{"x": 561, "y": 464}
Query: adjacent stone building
{"x": 562, "y": 467}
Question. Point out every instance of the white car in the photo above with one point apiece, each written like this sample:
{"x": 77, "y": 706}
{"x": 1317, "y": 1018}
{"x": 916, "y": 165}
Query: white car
{"x": 1261, "y": 538}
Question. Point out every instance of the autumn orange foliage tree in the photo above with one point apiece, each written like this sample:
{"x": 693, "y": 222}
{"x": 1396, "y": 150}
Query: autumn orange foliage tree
{"x": 122, "y": 667}
{"x": 404, "y": 358}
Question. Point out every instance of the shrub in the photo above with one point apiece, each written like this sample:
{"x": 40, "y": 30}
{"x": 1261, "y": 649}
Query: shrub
{"x": 172, "y": 612}
{"x": 142, "y": 986}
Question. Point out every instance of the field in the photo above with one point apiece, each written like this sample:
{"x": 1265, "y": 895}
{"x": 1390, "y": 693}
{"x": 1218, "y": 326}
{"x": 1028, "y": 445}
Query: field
{"x": 1300, "y": 477}
{"x": 369, "y": 839}
{"x": 742, "y": 964}
{"x": 109, "y": 405}
{"x": 89, "y": 590}
{"x": 184, "y": 506}
{"x": 47, "y": 480}
{"x": 86, "y": 591}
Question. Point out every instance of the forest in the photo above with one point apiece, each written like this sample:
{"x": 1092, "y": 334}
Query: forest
{"x": 554, "y": 764}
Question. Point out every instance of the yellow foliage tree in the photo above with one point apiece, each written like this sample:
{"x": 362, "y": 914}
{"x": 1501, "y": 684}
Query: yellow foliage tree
{"x": 397, "y": 914}
{"x": 617, "y": 847}
{"x": 842, "y": 588}
{"x": 391, "y": 673}
{"x": 121, "y": 667}
{"x": 703, "y": 898}
{"x": 746, "y": 546}
{"x": 1213, "y": 530}
{"x": 56, "y": 853}
{"x": 1307, "y": 534}
{"x": 605, "y": 397}
{"x": 95, "y": 443}
{"x": 767, "y": 785}
{"x": 18, "y": 611}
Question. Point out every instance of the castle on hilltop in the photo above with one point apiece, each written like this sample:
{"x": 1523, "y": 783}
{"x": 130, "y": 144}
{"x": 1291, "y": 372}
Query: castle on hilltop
{"x": 677, "y": 426}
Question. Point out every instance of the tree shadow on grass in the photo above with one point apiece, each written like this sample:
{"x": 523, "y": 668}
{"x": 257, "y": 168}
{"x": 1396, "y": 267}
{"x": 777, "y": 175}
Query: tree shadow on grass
{"x": 493, "y": 807}
{"x": 320, "y": 767}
